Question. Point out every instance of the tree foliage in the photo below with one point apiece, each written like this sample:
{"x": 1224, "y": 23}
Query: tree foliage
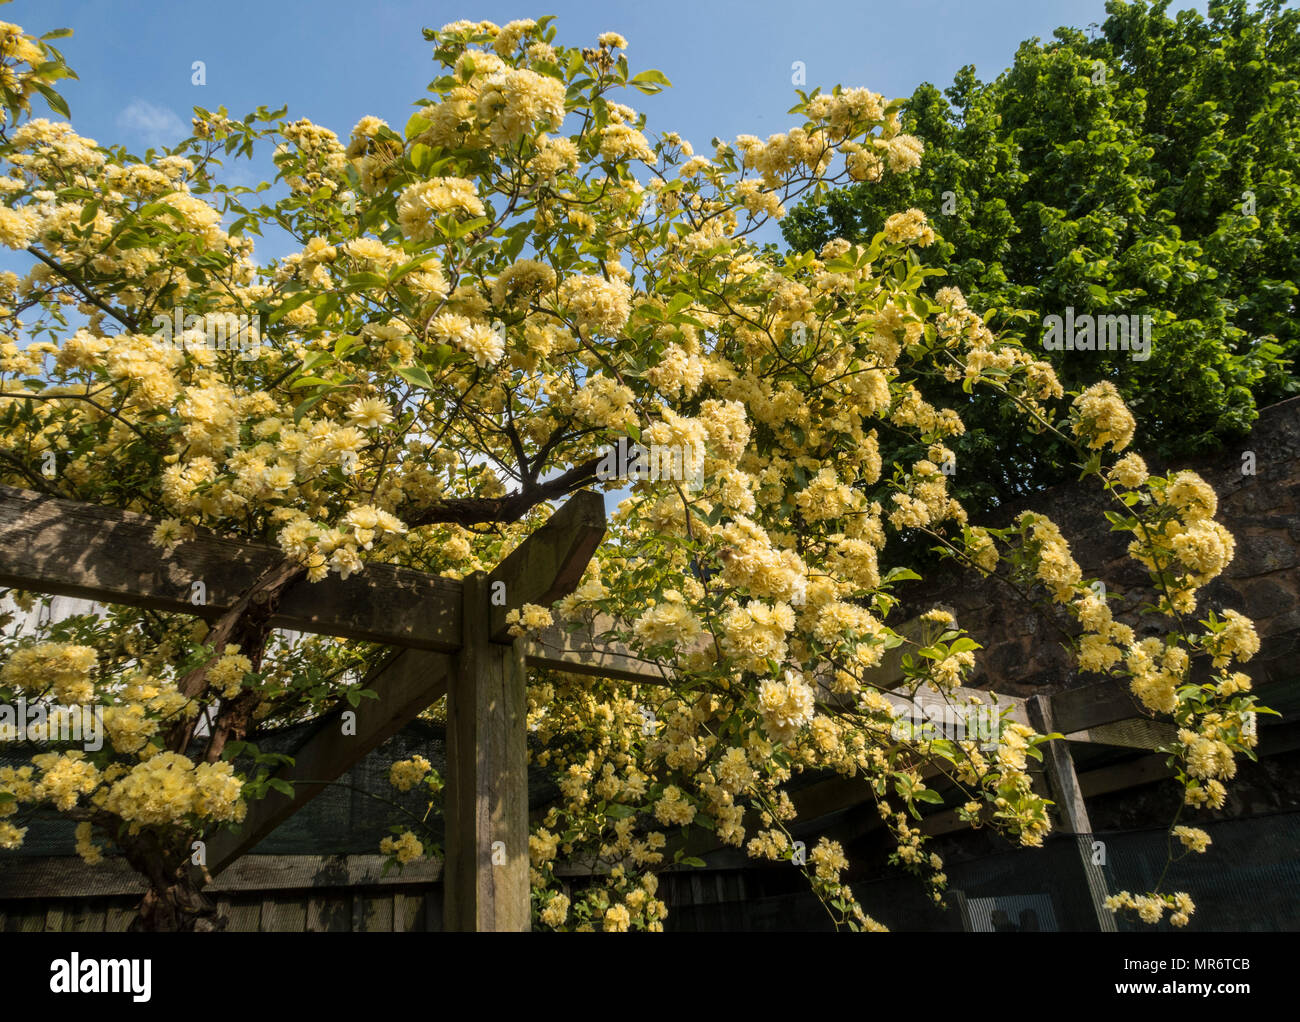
{"x": 1149, "y": 168}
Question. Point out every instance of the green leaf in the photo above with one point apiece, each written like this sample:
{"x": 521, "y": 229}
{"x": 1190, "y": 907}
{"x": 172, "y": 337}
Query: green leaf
{"x": 679, "y": 302}
{"x": 422, "y": 158}
{"x": 901, "y": 575}
{"x": 401, "y": 271}
{"x": 416, "y": 124}
{"x": 306, "y": 406}
{"x": 281, "y": 785}
{"x": 289, "y": 304}
{"x": 650, "y": 82}
{"x": 363, "y": 281}
{"x": 55, "y": 101}
{"x": 416, "y": 375}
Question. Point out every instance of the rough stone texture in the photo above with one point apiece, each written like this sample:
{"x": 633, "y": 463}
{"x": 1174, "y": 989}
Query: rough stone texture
{"x": 1022, "y": 642}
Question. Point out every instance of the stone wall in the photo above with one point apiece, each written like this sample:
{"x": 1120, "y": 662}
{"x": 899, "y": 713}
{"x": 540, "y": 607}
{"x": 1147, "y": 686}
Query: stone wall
{"x": 1022, "y": 644}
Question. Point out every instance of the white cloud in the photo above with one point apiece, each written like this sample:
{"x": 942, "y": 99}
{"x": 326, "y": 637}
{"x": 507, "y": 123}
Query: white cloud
{"x": 153, "y": 125}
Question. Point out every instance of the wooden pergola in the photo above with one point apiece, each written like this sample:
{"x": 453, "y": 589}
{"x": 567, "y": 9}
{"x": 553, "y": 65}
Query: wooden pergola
{"x": 451, "y": 638}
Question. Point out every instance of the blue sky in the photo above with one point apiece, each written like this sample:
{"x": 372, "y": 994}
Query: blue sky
{"x": 336, "y": 60}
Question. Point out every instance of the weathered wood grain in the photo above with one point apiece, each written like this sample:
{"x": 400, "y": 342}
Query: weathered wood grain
{"x": 549, "y": 564}
{"x": 486, "y": 795}
{"x": 581, "y": 652}
{"x": 69, "y": 548}
{"x": 1090, "y": 706}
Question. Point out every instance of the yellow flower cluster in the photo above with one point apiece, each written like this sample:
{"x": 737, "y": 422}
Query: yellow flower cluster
{"x": 754, "y": 563}
{"x": 529, "y": 619}
{"x": 1237, "y": 640}
{"x": 670, "y": 622}
{"x": 786, "y": 706}
{"x": 828, "y": 859}
{"x": 406, "y": 774}
{"x": 1157, "y": 670}
{"x": 909, "y": 228}
{"x": 168, "y": 789}
{"x": 62, "y": 668}
{"x": 597, "y": 305}
{"x": 514, "y": 102}
{"x": 556, "y": 911}
{"x": 787, "y": 153}
{"x": 756, "y": 633}
{"x": 65, "y": 777}
{"x": 523, "y": 279}
{"x": 420, "y": 205}
{"x": 406, "y": 847}
{"x": 826, "y": 497}
{"x": 1186, "y": 546}
{"x": 672, "y": 809}
{"x": 226, "y": 674}
{"x": 1208, "y": 757}
{"x": 90, "y": 852}
{"x": 1054, "y": 565}
{"x": 1130, "y": 471}
{"x": 1103, "y": 418}
{"x": 1193, "y": 837}
{"x": 1151, "y": 908}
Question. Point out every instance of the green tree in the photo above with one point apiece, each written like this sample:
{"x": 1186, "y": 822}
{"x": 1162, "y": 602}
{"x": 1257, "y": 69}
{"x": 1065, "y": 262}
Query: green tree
{"x": 1150, "y": 170}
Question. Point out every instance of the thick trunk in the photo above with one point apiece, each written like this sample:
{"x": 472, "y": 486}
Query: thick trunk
{"x": 173, "y": 903}
{"x": 180, "y": 908}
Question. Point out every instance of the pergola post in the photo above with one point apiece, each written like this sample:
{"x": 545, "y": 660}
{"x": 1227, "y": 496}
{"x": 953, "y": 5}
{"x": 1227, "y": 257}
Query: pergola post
{"x": 1074, "y": 812}
{"x": 486, "y": 796}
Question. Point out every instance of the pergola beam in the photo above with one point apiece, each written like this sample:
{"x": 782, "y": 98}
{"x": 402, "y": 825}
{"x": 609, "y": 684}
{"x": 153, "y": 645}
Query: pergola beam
{"x": 68, "y": 548}
{"x": 1073, "y": 809}
{"x": 549, "y": 564}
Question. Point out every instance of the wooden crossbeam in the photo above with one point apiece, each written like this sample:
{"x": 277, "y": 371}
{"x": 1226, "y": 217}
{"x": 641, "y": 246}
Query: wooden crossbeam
{"x": 1136, "y": 733}
{"x": 1090, "y": 706}
{"x": 549, "y": 565}
{"x": 69, "y": 548}
{"x": 582, "y": 652}
{"x": 960, "y": 698}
